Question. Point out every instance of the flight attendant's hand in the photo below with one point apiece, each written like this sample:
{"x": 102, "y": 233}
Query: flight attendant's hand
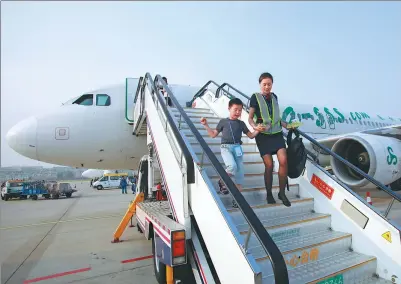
{"x": 203, "y": 121}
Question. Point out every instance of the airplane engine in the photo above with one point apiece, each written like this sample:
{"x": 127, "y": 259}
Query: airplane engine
{"x": 377, "y": 156}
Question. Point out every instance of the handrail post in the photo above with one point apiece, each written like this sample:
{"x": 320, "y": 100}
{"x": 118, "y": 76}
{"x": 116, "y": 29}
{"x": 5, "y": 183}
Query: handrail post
{"x": 248, "y": 236}
{"x": 389, "y": 207}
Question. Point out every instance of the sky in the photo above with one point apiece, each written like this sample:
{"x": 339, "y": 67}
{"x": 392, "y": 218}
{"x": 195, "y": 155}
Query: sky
{"x": 341, "y": 53}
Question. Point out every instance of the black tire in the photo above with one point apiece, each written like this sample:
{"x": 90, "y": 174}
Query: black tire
{"x": 6, "y": 198}
{"x": 55, "y": 196}
{"x": 68, "y": 195}
{"x": 159, "y": 268}
{"x": 47, "y": 196}
{"x": 34, "y": 197}
{"x": 99, "y": 187}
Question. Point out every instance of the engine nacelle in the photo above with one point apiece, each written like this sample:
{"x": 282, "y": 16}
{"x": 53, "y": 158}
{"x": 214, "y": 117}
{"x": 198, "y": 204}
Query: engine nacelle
{"x": 377, "y": 156}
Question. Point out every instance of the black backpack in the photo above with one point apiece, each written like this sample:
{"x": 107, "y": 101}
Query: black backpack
{"x": 296, "y": 155}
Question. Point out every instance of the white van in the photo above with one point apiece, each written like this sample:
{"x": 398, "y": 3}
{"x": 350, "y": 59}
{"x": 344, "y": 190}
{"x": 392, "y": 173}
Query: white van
{"x": 110, "y": 181}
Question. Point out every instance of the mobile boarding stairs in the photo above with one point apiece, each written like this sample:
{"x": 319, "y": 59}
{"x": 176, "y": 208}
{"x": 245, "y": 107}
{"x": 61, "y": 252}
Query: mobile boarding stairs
{"x": 328, "y": 235}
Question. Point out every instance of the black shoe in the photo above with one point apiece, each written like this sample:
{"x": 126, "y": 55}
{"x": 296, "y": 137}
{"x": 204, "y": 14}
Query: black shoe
{"x": 270, "y": 199}
{"x": 285, "y": 200}
{"x": 235, "y": 205}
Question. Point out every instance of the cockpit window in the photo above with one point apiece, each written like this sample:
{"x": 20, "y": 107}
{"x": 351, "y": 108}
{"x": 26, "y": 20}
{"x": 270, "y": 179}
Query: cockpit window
{"x": 102, "y": 100}
{"x": 84, "y": 100}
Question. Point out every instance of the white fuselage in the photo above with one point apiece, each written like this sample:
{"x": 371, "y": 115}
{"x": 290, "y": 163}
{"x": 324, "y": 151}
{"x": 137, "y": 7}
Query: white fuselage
{"x": 100, "y": 137}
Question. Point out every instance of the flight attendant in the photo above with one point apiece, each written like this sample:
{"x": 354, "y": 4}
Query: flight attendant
{"x": 265, "y": 116}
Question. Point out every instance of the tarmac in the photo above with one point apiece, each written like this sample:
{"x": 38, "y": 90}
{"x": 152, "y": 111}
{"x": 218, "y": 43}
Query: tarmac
{"x": 69, "y": 240}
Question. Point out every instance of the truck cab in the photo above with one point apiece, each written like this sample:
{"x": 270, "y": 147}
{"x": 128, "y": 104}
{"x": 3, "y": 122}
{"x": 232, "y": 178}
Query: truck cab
{"x": 11, "y": 189}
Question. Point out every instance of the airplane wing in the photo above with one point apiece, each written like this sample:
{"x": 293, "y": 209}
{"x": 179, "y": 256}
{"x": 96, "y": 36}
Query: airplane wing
{"x": 393, "y": 131}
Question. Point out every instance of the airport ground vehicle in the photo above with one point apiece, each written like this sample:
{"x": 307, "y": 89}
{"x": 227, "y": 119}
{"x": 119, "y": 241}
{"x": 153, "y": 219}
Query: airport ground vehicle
{"x": 11, "y": 189}
{"x": 329, "y": 234}
{"x": 57, "y": 189}
{"x": 110, "y": 181}
{"x": 32, "y": 189}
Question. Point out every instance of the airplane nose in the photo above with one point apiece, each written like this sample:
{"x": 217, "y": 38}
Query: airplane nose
{"x": 22, "y": 137}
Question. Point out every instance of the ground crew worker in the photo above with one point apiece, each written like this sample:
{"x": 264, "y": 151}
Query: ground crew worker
{"x": 265, "y": 116}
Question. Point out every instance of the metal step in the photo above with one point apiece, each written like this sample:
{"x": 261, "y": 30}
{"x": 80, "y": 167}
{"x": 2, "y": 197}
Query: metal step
{"x": 192, "y": 110}
{"x": 291, "y": 226}
{"x": 257, "y": 196}
{"x": 215, "y": 147}
{"x": 250, "y": 180}
{"x": 210, "y": 140}
{"x": 197, "y": 114}
{"x": 270, "y": 214}
{"x": 195, "y": 117}
{"x": 305, "y": 249}
{"x": 352, "y": 266}
{"x": 248, "y": 157}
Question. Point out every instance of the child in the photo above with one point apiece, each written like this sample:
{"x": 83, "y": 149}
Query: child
{"x": 231, "y": 150}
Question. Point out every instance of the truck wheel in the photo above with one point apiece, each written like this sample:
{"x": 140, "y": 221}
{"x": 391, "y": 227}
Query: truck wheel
{"x": 34, "y": 197}
{"x": 158, "y": 267}
{"x": 47, "y": 196}
{"x": 6, "y": 198}
{"x": 68, "y": 195}
{"x": 55, "y": 196}
{"x": 99, "y": 187}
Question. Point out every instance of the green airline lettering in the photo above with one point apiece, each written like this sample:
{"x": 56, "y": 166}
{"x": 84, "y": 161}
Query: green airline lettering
{"x": 380, "y": 117}
{"x": 330, "y": 118}
{"x": 365, "y": 115}
{"x": 288, "y": 113}
{"x": 341, "y": 117}
{"x": 308, "y": 115}
{"x": 320, "y": 122}
{"x": 353, "y": 116}
{"x": 358, "y": 115}
{"x": 391, "y": 158}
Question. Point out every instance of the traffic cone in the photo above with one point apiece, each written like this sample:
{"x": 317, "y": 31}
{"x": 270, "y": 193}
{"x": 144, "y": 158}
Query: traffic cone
{"x": 368, "y": 199}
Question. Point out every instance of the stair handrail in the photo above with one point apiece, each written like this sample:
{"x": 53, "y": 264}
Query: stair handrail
{"x": 394, "y": 195}
{"x": 277, "y": 260}
{"x": 140, "y": 90}
{"x": 226, "y": 93}
{"x": 201, "y": 92}
{"x": 126, "y": 96}
{"x": 176, "y": 132}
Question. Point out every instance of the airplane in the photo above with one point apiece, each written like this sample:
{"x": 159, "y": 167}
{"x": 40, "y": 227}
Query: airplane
{"x": 96, "y": 173}
{"x": 93, "y": 131}
{"x": 92, "y": 173}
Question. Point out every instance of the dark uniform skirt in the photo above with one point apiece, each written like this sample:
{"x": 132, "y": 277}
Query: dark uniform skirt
{"x": 270, "y": 144}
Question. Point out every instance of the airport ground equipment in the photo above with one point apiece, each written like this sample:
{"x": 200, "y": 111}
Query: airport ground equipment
{"x": 57, "y": 189}
{"x": 329, "y": 234}
{"x": 33, "y": 189}
{"x": 11, "y": 189}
